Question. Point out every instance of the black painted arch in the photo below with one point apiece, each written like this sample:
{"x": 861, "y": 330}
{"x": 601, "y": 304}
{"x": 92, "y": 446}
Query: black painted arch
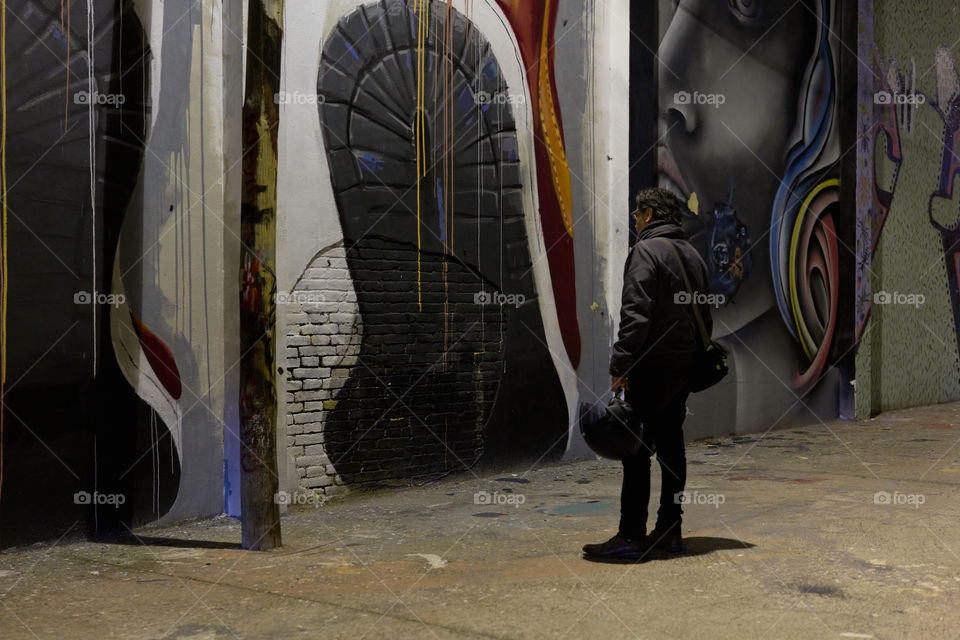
{"x": 478, "y": 379}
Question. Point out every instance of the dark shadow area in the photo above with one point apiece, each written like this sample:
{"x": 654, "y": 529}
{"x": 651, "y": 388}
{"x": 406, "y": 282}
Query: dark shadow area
{"x": 76, "y": 434}
{"x": 134, "y": 540}
{"x": 427, "y": 372}
{"x": 693, "y": 546}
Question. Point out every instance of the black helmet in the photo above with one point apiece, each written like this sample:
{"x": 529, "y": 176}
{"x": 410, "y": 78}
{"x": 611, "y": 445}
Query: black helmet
{"x": 613, "y": 434}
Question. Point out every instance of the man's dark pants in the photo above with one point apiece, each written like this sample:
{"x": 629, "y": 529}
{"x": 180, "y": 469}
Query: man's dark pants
{"x": 663, "y": 434}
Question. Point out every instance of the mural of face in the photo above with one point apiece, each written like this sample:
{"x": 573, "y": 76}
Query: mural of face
{"x": 730, "y": 73}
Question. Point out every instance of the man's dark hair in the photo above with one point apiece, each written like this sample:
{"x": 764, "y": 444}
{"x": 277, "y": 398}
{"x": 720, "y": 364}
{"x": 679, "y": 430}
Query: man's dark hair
{"x": 665, "y": 204}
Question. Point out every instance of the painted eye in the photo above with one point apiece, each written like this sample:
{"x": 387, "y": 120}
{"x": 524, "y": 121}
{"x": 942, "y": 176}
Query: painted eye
{"x": 747, "y": 11}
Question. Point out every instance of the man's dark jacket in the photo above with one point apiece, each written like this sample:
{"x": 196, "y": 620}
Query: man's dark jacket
{"x": 657, "y": 338}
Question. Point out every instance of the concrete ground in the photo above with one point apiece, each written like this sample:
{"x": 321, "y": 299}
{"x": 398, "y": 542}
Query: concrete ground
{"x": 844, "y": 530}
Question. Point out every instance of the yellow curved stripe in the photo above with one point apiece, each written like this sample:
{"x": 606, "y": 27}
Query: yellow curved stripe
{"x": 791, "y": 261}
{"x": 552, "y": 138}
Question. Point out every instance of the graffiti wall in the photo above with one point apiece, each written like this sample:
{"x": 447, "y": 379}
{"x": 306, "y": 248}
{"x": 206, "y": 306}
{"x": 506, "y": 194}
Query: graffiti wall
{"x": 113, "y": 260}
{"x": 908, "y": 303}
{"x": 749, "y": 138}
{"x": 450, "y": 237}
{"x": 451, "y": 225}
{"x": 432, "y": 272}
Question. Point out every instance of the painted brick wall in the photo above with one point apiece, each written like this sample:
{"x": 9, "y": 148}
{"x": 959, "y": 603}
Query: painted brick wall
{"x": 406, "y": 391}
{"x": 322, "y": 343}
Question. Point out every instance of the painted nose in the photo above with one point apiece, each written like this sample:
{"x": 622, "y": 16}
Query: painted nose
{"x": 679, "y": 110}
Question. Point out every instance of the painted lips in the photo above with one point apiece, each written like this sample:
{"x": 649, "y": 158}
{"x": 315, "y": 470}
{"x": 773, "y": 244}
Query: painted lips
{"x": 670, "y": 173}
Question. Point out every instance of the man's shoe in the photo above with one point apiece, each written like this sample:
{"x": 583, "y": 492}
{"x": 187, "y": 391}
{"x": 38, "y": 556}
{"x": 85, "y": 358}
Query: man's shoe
{"x": 617, "y": 547}
{"x": 671, "y": 542}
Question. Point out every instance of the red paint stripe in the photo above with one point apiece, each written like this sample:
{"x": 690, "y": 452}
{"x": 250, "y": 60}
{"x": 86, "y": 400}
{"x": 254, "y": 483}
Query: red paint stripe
{"x": 526, "y": 19}
{"x": 160, "y": 358}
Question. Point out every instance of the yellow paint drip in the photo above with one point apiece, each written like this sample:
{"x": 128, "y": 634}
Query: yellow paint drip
{"x": 66, "y": 96}
{"x": 421, "y": 161}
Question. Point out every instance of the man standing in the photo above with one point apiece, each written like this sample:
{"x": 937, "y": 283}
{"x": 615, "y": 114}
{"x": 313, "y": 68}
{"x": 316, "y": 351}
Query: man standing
{"x": 655, "y": 348}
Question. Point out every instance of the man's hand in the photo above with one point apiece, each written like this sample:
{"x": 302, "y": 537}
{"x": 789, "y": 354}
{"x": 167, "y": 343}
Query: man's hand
{"x": 618, "y": 383}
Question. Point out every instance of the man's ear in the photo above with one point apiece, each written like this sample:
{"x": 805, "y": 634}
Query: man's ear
{"x": 648, "y": 215}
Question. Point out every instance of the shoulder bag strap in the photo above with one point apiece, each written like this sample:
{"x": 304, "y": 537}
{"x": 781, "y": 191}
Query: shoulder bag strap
{"x": 701, "y": 327}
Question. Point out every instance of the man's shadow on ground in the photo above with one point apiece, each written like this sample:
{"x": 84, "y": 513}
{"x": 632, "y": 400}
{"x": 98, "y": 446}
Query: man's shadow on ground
{"x": 693, "y": 546}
